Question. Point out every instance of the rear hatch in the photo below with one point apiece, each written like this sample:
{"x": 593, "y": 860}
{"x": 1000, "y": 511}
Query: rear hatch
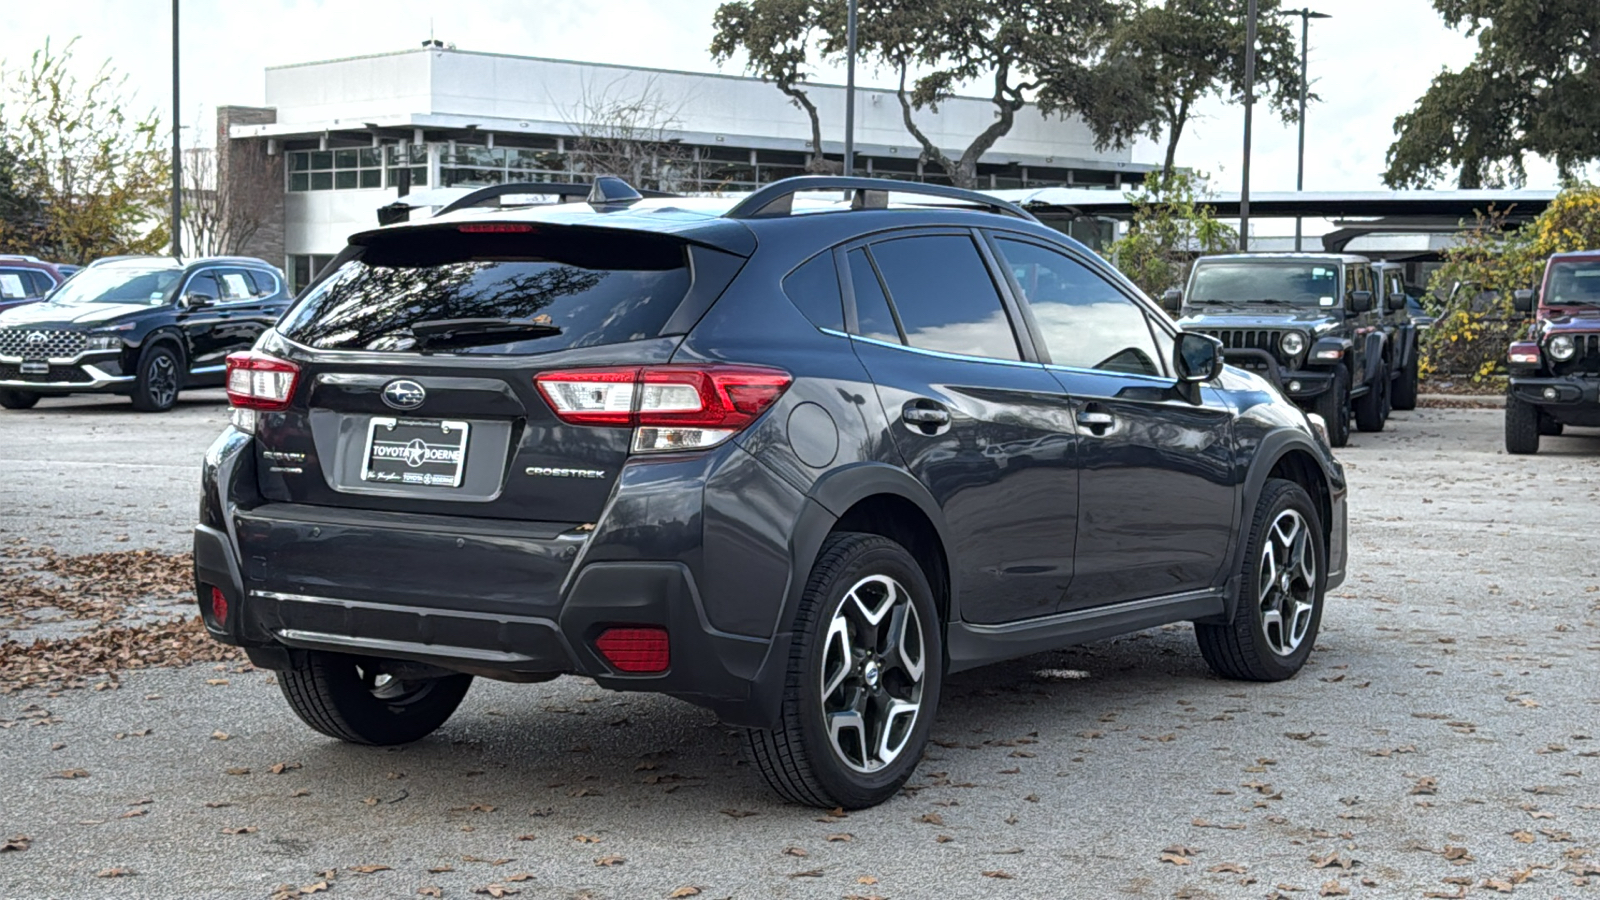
{"x": 416, "y": 363}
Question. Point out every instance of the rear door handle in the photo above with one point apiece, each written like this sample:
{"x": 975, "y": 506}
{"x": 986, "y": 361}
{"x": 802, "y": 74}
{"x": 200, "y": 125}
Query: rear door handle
{"x": 1096, "y": 421}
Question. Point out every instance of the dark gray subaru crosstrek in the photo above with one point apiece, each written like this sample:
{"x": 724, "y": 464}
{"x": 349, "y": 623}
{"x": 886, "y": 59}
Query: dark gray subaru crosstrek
{"x": 792, "y": 460}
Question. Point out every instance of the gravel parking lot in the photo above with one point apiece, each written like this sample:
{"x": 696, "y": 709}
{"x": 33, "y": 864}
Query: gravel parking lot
{"x": 1443, "y": 741}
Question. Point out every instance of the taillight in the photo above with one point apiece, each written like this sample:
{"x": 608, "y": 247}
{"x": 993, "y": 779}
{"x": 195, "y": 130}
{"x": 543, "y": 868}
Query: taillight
{"x": 669, "y": 407}
{"x": 262, "y": 382}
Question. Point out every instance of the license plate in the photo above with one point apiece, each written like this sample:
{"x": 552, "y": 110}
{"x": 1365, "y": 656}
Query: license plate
{"x": 426, "y": 452}
{"x": 34, "y": 367}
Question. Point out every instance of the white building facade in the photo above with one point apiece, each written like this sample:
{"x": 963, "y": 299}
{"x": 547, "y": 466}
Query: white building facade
{"x": 354, "y": 134}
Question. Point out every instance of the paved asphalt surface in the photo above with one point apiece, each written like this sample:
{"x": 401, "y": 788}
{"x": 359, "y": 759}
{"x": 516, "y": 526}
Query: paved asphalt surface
{"x": 1442, "y": 742}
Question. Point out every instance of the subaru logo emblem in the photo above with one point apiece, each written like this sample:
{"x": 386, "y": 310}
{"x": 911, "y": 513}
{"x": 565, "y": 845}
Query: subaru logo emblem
{"x": 404, "y": 394}
{"x": 37, "y": 337}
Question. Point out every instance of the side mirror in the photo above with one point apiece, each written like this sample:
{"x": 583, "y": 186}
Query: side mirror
{"x": 1397, "y": 302}
{"x": 1360, "y": 301}
{"x": 1197, "y": 357}
{"x": 1522, "y": 300}
{"x": 1172, "y": 300}
{"x": 197, "y": 300}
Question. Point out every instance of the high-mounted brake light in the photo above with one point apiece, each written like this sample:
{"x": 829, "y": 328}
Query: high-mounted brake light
{"x": 260, "y": 382}
{"x": 496, "y": 228}
{"x": 669, "y": 407}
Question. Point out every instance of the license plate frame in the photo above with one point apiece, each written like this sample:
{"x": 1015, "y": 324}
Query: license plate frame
{"x": 425, "y": 453}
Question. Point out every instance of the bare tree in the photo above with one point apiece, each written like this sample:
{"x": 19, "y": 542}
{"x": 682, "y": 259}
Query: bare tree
{"x": 629, "y": 130}
{"x": 228, "y": 196}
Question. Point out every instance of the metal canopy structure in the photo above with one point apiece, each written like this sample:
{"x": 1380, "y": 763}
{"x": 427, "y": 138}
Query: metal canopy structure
{"x": 1355, "y": 214}
{"x": 1453, "y": 205}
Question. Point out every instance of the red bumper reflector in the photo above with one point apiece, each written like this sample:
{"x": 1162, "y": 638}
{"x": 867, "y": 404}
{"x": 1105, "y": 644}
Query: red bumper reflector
{"x": 219, "y": 606}
{"x": 635, "y": 649}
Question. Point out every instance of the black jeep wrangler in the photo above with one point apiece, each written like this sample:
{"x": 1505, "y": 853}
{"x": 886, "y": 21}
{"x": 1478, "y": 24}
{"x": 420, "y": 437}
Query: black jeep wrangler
{"x": 1308, "y": 322}
{"x": 1555, "y": 370}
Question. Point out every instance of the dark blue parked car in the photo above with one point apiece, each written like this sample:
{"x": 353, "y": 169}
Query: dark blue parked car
{"x": 791, "y": 460}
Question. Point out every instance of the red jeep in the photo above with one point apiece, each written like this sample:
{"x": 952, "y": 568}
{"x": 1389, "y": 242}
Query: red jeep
{"x": 1555, "y": 372}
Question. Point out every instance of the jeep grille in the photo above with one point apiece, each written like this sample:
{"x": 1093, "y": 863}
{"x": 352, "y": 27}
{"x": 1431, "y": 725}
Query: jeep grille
{"x": 55, "y": 344}
{"x": 1585, "y": 358}
{"x": 1249, "y": 339}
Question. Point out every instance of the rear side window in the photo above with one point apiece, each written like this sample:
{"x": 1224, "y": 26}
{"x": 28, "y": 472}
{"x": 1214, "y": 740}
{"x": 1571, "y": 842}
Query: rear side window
{"x": 944, "y": 296}
{"x": 873, "y": 318}
{"x": 595, "y": 287}
{"x": 814, "y": 288}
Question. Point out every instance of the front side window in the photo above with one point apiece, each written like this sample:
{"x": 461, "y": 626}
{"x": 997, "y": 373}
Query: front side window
{"x": 1270, "y": 283}
{"x": 944, "y": 296}
{"x": 1083, "y": 320}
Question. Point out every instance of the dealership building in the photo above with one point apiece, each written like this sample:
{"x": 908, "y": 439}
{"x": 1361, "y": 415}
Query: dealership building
{"x": 349, "y": 136}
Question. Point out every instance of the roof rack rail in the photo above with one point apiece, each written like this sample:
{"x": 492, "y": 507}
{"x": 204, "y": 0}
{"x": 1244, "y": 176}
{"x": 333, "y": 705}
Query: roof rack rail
{"x": 563, "y": 190}
{"x": 777, "y": 199}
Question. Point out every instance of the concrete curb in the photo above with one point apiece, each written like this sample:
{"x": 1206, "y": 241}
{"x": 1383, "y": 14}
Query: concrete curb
{"x": 1465, "y": 400}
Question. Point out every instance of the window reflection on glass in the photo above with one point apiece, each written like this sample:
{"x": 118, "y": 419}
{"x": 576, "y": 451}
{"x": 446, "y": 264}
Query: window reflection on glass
{"x": 1084, "y": 321}
{"x": 944, "y": 297}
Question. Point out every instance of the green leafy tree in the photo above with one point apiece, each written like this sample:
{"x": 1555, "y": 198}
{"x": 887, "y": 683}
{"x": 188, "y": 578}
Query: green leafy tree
{"x": 89, "y": 175}
{"x": 777, "y": 38}
{"x": 1183, "y": 51}
{"x": 1532, "y": 88}
{"x": 1172, "y": 225}
{"x": 1049, "y": 49}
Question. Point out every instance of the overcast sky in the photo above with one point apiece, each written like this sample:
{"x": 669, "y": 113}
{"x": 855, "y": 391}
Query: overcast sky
{"x": 1370, "y": 62}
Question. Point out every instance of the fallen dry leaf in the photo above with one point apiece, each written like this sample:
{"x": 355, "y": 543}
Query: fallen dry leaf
{"x": 368, "y": 870}
{"x": 16, "y": 844}
{"x": 687, "y": 890}
{"x": 997, "y": 873}
{"x": 932, "y": 818}
{"x": 70, "y": 774}
{"x": 113, "y": 873}
{"x": 430, "y": 891}
{"x": 606, "y": 862}
{"x": 497, "y": 890}
{"x": 247, "y": 829}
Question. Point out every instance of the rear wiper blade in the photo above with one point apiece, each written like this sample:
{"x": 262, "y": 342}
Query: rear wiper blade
{"x": 469, "y": 332}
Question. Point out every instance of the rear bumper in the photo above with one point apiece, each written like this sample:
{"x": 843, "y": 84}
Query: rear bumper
{"x": 499, "y": 599}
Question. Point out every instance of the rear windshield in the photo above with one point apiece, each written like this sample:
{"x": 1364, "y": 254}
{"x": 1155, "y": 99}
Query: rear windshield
{"x": 1574, "y": 282}
{"x": 1302, "y": 284}
{"x": 596, "y": 288}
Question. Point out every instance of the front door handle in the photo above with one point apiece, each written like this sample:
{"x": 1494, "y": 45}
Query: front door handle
{"x": 918, "y": 415}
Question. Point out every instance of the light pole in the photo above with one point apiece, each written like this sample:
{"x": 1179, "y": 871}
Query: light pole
{"x": 177, "y": 149}
{"x": 1306, "y": 15}
{"x": 1249, "y": 105}
{"x": 849, "y": 93}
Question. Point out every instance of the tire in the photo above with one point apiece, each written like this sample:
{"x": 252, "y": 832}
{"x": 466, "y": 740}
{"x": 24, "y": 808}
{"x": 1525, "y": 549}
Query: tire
{"x": 1334, "y": 407}
{"x": 1372, "y": 408}
{"x": 1550, "y": 427}
{"x": 1258, "y": 645}
{"x": 1404, "y": 397}
{"x": 800, "y": 758}
{"x": 159, "y": 378}
{"x": 349, "y": 698}
{"x": 18, "y": 399}
{"x": 1522, "y": 426}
